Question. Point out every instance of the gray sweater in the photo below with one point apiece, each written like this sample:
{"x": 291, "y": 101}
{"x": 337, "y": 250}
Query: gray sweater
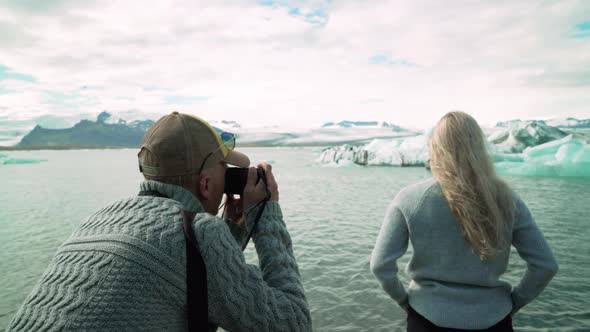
{"x": 450, "y": 286}
{"x": 124, "y": 268}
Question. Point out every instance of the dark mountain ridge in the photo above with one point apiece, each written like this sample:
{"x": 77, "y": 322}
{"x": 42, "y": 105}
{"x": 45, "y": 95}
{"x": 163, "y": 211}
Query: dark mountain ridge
{"x": 90, "y": 133}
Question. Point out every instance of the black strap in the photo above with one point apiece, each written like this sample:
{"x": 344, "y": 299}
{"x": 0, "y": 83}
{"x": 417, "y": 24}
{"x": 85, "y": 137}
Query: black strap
{"x": 196, "y": 279}
{"x": 196, "y": 274}
{"x": 259, "y": 214}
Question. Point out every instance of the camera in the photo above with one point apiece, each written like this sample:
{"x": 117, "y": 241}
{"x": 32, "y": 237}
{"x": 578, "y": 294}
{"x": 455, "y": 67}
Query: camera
{"x": 236, "y": 178}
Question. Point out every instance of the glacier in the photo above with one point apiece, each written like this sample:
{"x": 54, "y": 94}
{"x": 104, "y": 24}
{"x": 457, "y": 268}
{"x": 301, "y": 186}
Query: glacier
{"x": 521, "y": 149}
{"x": 327, "y": 135}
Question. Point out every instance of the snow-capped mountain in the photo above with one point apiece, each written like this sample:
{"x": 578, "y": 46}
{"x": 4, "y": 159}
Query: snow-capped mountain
{"x": 572, "y": 123}
{"x": 362, "y": 124}
{"x": 510, "y": 136}
{"x": 344, "y": 132}
{"x": 226, "y": 125}
{"x": 568, "y": 123}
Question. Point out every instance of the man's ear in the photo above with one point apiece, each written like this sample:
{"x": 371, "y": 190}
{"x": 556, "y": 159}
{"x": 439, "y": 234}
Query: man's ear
{"x": 204, "y": 187}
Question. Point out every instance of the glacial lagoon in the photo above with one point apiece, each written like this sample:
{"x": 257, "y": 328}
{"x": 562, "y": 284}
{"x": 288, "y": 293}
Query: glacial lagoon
{"x": 333, "y": 214}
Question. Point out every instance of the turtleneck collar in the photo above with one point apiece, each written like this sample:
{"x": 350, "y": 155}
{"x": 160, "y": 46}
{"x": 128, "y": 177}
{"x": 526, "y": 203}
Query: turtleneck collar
{"x": 186, "y": 198}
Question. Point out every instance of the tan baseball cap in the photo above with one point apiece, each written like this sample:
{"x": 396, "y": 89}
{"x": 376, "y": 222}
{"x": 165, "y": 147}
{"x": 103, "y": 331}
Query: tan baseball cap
{"x": 180, "y": 144}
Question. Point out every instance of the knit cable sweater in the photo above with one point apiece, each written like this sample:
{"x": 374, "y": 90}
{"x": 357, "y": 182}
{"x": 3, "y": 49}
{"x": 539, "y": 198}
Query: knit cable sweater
{"x": 450, "y": 285}
{"x": 124, "y": 268}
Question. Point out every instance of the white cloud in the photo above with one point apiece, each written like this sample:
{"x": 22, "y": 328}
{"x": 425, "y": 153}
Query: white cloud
{"x": 259, "y": 64}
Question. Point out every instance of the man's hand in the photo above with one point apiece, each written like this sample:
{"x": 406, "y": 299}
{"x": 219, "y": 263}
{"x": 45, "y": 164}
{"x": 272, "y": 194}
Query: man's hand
{"x": 234, "y": 210}
{"x": 255, "y": 193}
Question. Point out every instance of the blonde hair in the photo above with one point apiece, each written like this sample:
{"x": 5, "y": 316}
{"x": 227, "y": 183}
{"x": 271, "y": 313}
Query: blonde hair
{"x": 481, "y": 202}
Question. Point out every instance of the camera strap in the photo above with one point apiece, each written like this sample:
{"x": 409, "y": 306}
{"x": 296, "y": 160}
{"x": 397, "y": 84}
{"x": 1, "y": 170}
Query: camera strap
{"x": 196, "y": 273}
{"x": 262, "y": 205}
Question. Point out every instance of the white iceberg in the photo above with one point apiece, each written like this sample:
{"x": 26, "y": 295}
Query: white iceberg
{"x": 565, "y": 157}
{"x": 342, "y": 155}
{"x": 410, "y": 151}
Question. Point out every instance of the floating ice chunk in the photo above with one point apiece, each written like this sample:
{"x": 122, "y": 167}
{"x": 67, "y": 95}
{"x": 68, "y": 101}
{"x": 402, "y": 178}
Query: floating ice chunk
{"x": 525, "y": 169}
{"x": 583, "y": 156}
{"x": 569, "y": 156}
{"x": 566, "y": 153}
{"x": 343, "y": 153}
{"x": 6, "y": 160}
{"x": 512, "y": 157}
{"x": 411, "y": 151}
{"x": 559, "y": 155}
{"x": 548, "y": 148}
{"x": 519, "y": 135}
{"x": 341, "y": 164}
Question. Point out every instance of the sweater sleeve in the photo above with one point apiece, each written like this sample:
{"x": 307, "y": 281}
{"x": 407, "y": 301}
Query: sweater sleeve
{"x": 391, "y": 244}
{"x": 534, "y": 249}
{"x": 238, "y": 231}
{"x": 243, "y": 297}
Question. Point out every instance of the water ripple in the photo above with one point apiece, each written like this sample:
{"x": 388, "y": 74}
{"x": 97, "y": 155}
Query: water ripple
{"x": 333, "y": 215}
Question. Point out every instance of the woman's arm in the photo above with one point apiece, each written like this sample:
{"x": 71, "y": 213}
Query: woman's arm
{"x": 534, "y": 249}
{"x": 392, "y": 243}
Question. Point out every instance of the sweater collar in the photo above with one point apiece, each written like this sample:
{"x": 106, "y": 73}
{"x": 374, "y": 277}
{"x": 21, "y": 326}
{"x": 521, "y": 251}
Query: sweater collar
{"x": 186, "y": 198}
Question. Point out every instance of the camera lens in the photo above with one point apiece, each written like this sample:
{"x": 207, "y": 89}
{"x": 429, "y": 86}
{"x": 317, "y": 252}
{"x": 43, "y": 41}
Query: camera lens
{"x": 237, "y": 177}
{"x": 235, "y": 180}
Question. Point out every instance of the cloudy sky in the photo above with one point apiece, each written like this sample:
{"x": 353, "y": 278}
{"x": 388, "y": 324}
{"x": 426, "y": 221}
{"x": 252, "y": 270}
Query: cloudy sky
{"x": 296, "y": 62}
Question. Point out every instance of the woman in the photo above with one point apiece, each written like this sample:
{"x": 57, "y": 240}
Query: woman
{"x": 461, "y": 224}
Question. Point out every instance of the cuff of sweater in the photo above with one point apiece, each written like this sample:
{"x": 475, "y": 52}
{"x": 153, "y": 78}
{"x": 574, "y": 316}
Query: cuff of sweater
{"x": 404, "y": 303}
{"x": 517, "y": 302}
{"x": 239, "y": 232}
{"x": 272, "y": 210}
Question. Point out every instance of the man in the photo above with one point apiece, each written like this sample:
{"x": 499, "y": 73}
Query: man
{"x": 125, "y": 267}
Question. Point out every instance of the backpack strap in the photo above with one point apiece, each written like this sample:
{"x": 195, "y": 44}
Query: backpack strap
{"x": 196, "y": 279}
{"x": 196, "y": 274}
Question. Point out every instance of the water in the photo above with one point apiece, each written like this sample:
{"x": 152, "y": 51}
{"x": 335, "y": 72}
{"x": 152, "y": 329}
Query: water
{"x": 333, "y": 214}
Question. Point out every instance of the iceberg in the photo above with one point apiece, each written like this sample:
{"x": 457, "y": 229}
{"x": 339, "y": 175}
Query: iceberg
{"x": 342, "y": 155}
{"x": 410, "y": 151}
{"x": 516, "y": 136}
{"x": 510, "y": 157}
{"x": 568, "y": 123}
{"x": 6, "y": 160}
{"x": 567, "y": 157}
